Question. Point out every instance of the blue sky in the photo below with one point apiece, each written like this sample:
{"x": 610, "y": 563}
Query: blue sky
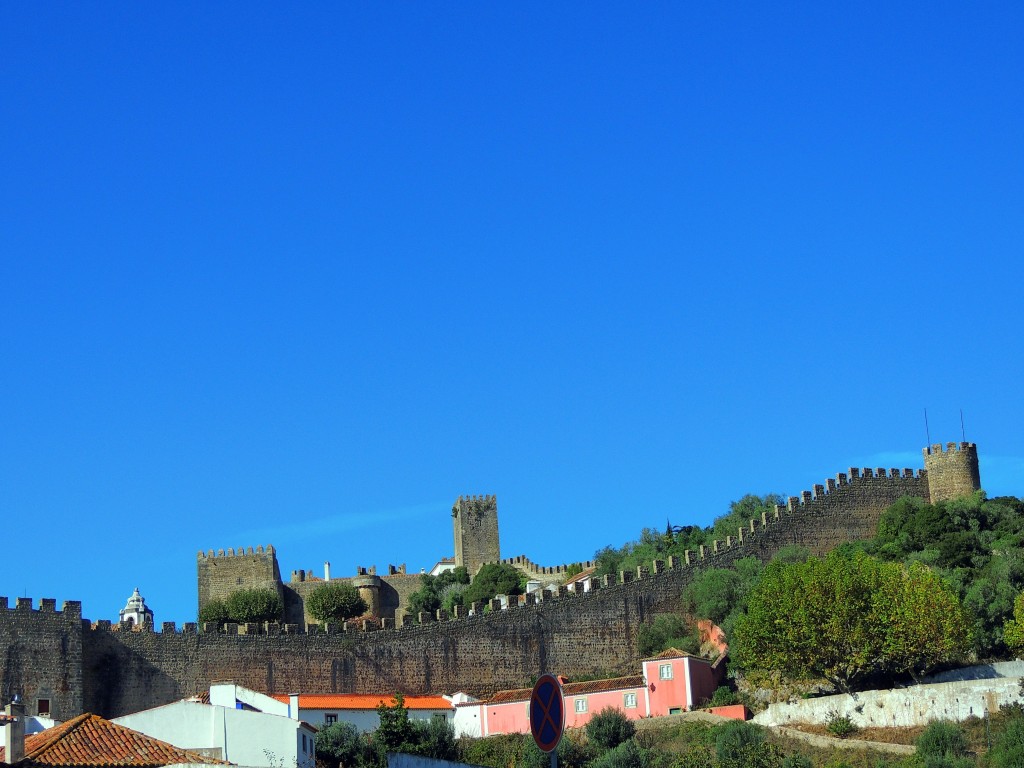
{"x": 303, "y": 276}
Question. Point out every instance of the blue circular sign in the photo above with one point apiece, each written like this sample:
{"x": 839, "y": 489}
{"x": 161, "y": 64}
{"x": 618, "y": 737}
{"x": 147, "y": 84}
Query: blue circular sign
{"x": 547, "y": 713}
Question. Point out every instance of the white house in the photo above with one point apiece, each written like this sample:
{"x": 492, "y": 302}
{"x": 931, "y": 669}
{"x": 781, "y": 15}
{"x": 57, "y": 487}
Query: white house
{"x": 360, "y": 709}
{"x": 238, "y": 725}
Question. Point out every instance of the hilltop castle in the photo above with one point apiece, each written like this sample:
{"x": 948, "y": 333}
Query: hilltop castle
{"x": 74, "y": 665}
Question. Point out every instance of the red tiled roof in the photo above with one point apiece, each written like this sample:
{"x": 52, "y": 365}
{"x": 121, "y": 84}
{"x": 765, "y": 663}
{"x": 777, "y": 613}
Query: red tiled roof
{"x": 586, "y": 573}
{"x": 364, "y": 701}
{"x": 572, "y": 689}
{"x": 674, "y": 653}
{"x": 89, "y": 740}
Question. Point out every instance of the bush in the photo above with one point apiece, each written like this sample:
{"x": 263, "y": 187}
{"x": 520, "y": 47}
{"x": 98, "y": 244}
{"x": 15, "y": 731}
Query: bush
{"x": 335, "y": 601}
{"x": 435, "y": 738}
{"x": 943, "y": 739}
{"x": 609, "y": 728}
{"x": 841, "y": 727}
{"x": 1008, "y": 751}
{"x": 723, "y": 697}
{"x": 797, "y": 761}
{"x": 628, "y": 754}
{"x": 737, "y": 743}
{"x": 214, "y": 612}
{"x": 254, "y": 605}
{"x": 341, "y": 744}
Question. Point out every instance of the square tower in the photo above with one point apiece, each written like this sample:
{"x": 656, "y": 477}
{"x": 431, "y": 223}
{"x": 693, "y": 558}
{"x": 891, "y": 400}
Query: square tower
{"x": 475, "y": 520}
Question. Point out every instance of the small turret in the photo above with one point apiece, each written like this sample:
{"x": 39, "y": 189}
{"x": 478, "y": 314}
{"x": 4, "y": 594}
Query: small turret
{"x": 136, "y": 612}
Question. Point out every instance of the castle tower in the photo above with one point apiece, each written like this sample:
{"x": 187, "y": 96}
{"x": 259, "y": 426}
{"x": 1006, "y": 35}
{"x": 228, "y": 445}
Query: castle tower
{"x": 475, "y": 520}
{"x": 952, "y": 471}
{"x": 221, "y": 574}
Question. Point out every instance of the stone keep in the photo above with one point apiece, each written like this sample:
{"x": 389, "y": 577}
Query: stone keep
{"x": 475, "y": 520}
{"x": 952, "y": 471}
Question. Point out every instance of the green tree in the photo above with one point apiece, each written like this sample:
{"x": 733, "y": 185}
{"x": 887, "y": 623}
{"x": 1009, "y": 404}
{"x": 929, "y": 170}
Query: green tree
{"x": 335, "y": 601}
{"x": 1008, "y": 750}
{"x": 432, "y": 592}
{"x": 609, "y": 728}
{"x": 341, "y": 744}
{"x": 667, "y": 630}
{"x": 1013, "y": 633}
{"x": 214, "y": 612}
{"x": 848, "y": 618}
{"x": 495, "y": 579}
{"x": 254, "y": 605}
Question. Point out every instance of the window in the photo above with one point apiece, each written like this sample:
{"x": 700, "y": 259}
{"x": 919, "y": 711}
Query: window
{"x": 303, "y": 743}
{"x": 581, "y": 705}
{"x": 665, "y": 671}
{"x": 330, "y": 718}
{"x": 629, "y": 700}
{"x": 43, "y": 707}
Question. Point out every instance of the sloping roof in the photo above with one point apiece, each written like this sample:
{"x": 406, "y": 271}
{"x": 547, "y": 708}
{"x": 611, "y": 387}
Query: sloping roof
{"x": 572, "y": 689}
{"x": 675, "y": 653}
{"x": 89, "y": 740}
{"x": 364, "y": 701}
{"x": 586, "y": 573}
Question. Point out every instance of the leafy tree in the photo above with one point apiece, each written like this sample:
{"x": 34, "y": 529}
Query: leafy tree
{"x": 254, "y": 605}
{"x": 667, "y": 630}
{"x": 335, "y": 601}
{"x": 430, "y": 596}
{"x": 341, "y": 744}
{"x": 1013, "y": 634}
{"x": 495, "y": 579}
{"x": 214, "y": 612}
{"x": 609, "y": 728}
{"x": 849, "y": 618}
{"x": 435, "y": 738}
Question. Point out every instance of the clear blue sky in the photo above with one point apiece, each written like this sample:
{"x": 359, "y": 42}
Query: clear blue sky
{"x": 303, "y": 275}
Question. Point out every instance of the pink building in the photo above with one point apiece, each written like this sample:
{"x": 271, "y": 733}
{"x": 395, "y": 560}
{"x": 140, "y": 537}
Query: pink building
{"x": 671, "y": 682}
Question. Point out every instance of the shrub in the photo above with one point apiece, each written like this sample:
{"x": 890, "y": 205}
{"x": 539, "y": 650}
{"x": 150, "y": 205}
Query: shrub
{"x": 335, "y": 601}
{"x": 214, "y": 612}
{"x": 609, "y": 728}
{"x": 1008, "y": 751}
{"x": 435, "y": 738}
{"x": 943, "y": 739}
{"x": 254, "y": 605}
{"x": 723, "y": 697}
{"x": 841, "y": 727}
{"x": 628, "y": 754}
{"x": 666, "y": 631}
{"x": 736, "y": 743}
{"x": 340, "y": 744}
{"x": 797, "y": 761}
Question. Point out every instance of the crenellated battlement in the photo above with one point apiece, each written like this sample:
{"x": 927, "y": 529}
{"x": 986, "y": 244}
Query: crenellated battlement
{"x": 937, "y": 448}
{"x": 70, "y": 608}
{"x": 241, "y": 552}
{"x": 526, "y": 564}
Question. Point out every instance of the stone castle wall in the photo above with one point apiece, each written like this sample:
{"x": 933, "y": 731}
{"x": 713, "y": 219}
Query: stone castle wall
{"x": 114, "y": 670}
{"x": 42, "y": 655}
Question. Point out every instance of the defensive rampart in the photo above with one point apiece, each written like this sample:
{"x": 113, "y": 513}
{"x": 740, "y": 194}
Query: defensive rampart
{"x": 116, "y": 670}
{"x": 575, "y": 633}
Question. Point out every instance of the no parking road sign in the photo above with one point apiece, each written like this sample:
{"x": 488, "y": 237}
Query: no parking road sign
{"x": 547, "y": 714}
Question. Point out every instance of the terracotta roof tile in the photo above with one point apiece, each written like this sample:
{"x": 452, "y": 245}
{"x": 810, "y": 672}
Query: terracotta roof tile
{"x": 674, "y": 653}
{"x": 89, "y": 740}
{"x": 586, "y": 573}
{"x": 572, "y": 689}
{"x": 364, "y": 701}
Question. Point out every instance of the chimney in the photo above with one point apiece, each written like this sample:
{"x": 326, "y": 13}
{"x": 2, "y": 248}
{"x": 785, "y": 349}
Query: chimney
{"x": 14, "y": 733}
{"x": 327, "y": 571}
{"x": 293, "y": 706}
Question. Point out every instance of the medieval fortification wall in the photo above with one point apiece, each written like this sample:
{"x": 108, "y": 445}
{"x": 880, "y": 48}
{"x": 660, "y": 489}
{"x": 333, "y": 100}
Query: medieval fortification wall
{"x": 115, "y": 670}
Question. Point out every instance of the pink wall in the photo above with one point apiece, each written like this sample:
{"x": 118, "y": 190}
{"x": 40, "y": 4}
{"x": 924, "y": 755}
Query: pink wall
{"x": 667, "y": 694}
{"x": 598, "y": 701}
{"x": 512, "y": 717}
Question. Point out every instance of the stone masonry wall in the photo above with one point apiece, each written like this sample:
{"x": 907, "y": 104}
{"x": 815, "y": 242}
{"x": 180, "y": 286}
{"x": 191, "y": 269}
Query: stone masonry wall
{"x": 42, "y": 655}
{"x": 952, "y": 471}
{"x": 576, "y": 634}
{"x": 221, "y": 574}
{"x": 476, "y": 531}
